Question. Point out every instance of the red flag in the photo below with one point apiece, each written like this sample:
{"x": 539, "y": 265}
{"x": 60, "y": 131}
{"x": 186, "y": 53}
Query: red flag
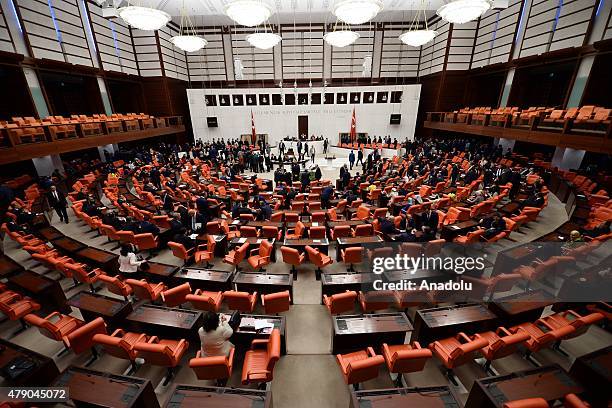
{"x": 353, "y": 132}
{"x": 253, "y": 132}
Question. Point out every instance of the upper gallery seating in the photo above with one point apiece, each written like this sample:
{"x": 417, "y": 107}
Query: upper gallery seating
{"x": 20, "y": 130}
{"x": 588, "y": 119}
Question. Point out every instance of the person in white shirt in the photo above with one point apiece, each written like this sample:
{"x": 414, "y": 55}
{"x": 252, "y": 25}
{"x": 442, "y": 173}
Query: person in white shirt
{"x": 128, "y": 263}
{"x": 214, "y": 335}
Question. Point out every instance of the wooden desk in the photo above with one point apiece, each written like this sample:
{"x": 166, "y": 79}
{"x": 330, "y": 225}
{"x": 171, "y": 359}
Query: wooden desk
{"x": 41, "y": 374}
{"x": 510, "y": 208}
{"x": 521, "y": 307}
{"x": 263, "y": 283}
{"x": 45, "y": 290}
{"x": 356, "y": 332}
{"x": 427, "y": 397}
{"x": 253, "y": 243}
{"x": 205, "y": 279}
{"x": 93, "y": 305}
{"x": 550, "y": 383}
{"x": 261, "y": 224}
{"x": 107, "y": 261}
{"x": 8, "y": 267}
{"x": 50, "y": 233}
{"x": 159, "y": 272}
{"x": 345, "y": 242}
{"x": 165, "y": 322}
{"x": 220, "y": 246}
{"x": 69, "y": 245}
{"x": 243, "y": 336}
{"x": 596, "y": 369}
{"x": 510, "y": 259}
{"x": 350, "y": 223}
{"x": 189, "y": 396}
{"x": 322, "y": 244}
{"x": 98, "y": 389}
{"x": 442, "y": 322}
{"x": 459, "y": 228}
{"x": 333, "y": 283}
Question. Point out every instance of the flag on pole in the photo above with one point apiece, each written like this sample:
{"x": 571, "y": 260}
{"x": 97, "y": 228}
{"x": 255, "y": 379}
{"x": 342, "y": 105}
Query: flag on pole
{"x": 353, "y": 132}
{"x": 253, "y": 132}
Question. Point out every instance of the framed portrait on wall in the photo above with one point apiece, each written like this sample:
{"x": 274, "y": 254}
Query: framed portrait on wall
{"x": 315, "y": 99}
{"x": 224, "y": 100}
{"x": 396, "y": 96}
{"x": 276, "y": 99}
{"x": 251, "y": 100}
{"x": 238, "y": 100}
{"x": 303, "y": 99}
{"x": 211, "y": 100}
{"x": 382, "y": 97}
{"x": 290, "y": 99}
{"x": 355, "y": 97}
{"x": 264, "y": 99}
{"x": 329, "y": 98}
{"x": 368, "y": 97}
{"x": 341, "y": 98}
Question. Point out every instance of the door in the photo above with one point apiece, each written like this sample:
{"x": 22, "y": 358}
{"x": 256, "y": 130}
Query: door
{"x": 302, "y": 126}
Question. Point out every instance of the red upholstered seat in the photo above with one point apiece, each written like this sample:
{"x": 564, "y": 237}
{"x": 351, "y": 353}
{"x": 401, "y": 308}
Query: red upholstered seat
{"x": 259, "y": 361}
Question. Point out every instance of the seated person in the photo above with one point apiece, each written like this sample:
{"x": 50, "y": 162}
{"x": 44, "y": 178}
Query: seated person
{"x": 534, "y": 200}
{"x": 602, "y": 229}
{"x": 495, "y": 226}
{"x": 387, "y": 226}
{"x": 146, "y": 227}
{"x": 427, "y": 234}
{"x": 187, "y": 242}
{"x": 214, "y": 335}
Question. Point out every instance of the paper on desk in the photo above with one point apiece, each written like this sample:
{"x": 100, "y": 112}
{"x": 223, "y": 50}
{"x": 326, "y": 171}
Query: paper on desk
{"x": 315, "y": 224}
{"x": 242, "y": 240}
{"x": 193, "y": 236}
{"x": 260, "y": 324}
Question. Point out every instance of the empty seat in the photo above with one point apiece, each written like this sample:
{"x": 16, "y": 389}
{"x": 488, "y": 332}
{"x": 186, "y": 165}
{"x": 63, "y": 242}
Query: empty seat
{"x": 260, "y": 257}
{"x": 121, "y": 344}
{"x": 359, "y": 366}
{"x": 203, "y": 300}
{"x": 165, "y": 353}
{"x": 145, "y": 290}
{"x": 405, "y": 358}
{"x": 502, "y": 343}
{"x": 274, "y": 303}
{"x": 241, "y": 301}
{"x": 458, "y": 350}
{"x": 292, "y": 257}
{"x": 236, "y": 256}
{"x": 319, "y": 259}
{"x": 259, "y": 361}
{"x": 176, "y": 296}
{"x": 340, "y": 302}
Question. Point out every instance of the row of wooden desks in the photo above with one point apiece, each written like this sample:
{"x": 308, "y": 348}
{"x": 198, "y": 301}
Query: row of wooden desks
{"x": 43, "y": 369}
{"x": 189, "y": 396}
{"x": 8, "y": 267}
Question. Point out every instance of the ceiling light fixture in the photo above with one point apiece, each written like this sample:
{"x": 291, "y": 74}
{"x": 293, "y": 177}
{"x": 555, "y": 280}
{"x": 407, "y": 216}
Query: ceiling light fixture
{"x": 248, "y": 13}
{"x": 357, "y": 11}
{"x": 144, "y": 18}
{"x": 187, "y": 40}
{"x": 462, "y": 11}
{"x": 341, "y": 38}
{"x": 415, "y": 36}
{"x": 263, "y": 41}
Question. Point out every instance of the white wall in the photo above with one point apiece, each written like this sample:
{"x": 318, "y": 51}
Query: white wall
{"x": 279, "y": 121}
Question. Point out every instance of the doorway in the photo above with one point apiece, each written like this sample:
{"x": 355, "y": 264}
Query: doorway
{"x": 302, "y": 125}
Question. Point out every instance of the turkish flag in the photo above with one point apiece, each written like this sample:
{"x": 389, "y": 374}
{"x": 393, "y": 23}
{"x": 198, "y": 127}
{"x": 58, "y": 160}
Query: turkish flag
{"x": 253, "y": 132}
{"x": 353, "y": 132}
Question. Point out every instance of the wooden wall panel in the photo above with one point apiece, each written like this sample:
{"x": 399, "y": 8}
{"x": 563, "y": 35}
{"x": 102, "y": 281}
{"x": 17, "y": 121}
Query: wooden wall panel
{"x": 398, "y": 59}
{"x": 347, "y": 62}
{"x": 208, "y": 64}
{"x": 302, "y": 53}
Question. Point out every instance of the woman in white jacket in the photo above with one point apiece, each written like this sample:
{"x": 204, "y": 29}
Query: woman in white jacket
{"x": 128, "y": 263}
{"x": 214, "y": 335}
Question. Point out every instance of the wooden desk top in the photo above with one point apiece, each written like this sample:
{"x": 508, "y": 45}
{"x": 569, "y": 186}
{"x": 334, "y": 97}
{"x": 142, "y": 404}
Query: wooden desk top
{"x": 10, "y": 351}
{"x": 452, "y": 315}
{"x": 521, "y": 251}
{"x": 68, "y": 244}
{"x": 285, "y": 279}
{"x": 98, "y": 304}
{"x": 350, "y": 223}
{"x": 260, "y": 224}
{"x": 306, "y": 241}
{"x": 307, "y": 224}
{"x": 97, "y": 255}
{"x": 348, "y": 278}
{"x": 599, "y": 361}
{"x": 461, "y": 225}
{"x": 550, "y": 383}
{"x": 203, "y": 275}
{"x": 250, "y": 240}
{"x": 165, "y": 316}
{"x": 427, "y": 397}
{"x": 188, "y": 396}
{"x": 50, "y": 233}
{"x": 32, "y": 281}
{"x": 524, "y": 302}
{"x": 161, "y": 269}
{"x": 372, "y": 323}
{"x": 8, "y": 266}
{"x": 277, "y": 321}
{"x": 371, "y": 239}
{"x": 103, "y": 389}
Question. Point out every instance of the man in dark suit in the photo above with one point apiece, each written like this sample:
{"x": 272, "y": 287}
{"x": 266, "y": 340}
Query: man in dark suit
{"x": 430, "y": 219}
{"x": 196, "y": 222}
{"x": 167, "y": 202}
{"x": 146, "y": 227}
{"x": 57, "y": 200}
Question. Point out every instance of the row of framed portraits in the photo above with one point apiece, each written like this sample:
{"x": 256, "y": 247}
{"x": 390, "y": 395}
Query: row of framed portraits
{"x": 289, "y": 98}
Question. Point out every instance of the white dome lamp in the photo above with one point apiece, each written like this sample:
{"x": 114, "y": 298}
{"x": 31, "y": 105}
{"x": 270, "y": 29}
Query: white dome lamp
{"x": 144, "y": 18}
{"x": 187, "y": 40}
{"x": 264, "y": 40}
{"x": 249, "y": 13}
{"x": 415, "y": 36}
{"x": 463, "y": 11}
{"x": 357, "y": 11}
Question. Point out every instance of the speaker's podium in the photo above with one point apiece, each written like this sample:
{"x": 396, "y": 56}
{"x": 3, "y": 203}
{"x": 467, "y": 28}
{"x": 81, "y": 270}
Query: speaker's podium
{"x": 359, "y": 137}
{"x": 259, "y": 136}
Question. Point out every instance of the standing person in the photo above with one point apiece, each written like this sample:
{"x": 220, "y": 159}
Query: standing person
{"x": 299, "y": 149}
{"x": 312, "y": 153}
{"x": 351, "y": 159}
{"x": 57, "y": 200}
{"x": 360, "y": 156}
{"x": 325, "y": 144}
{"x": 128, "y": 263}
